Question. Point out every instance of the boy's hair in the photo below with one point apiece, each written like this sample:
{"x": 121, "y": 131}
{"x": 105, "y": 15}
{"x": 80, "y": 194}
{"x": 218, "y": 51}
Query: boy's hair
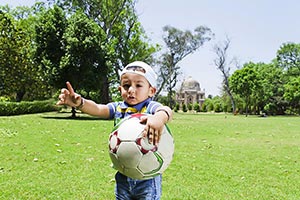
{"x": 143, "y": 69}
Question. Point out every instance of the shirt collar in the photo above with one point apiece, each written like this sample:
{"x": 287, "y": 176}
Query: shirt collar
{"x": 138, "y": 107}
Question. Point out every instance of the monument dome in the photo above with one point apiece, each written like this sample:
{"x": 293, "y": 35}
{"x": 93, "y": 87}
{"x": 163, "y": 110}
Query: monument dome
{"x": 190, "y": 84}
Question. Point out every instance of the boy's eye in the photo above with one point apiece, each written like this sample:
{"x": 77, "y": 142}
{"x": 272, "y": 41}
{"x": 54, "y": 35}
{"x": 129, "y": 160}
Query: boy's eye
{"x": 126, "y": 86}
{"x": 139, "y": 85}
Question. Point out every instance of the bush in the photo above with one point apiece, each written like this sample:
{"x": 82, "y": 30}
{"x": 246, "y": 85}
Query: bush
{"x": 218, "y": 107}
{"x": 197, "y": 107}
{"x": 190, "y": 107}
{"x": 177, "y": 107}
{"x": 27, "y": 107}
{"x": 208, "y": 105}
{"x": 184, "y": 108}
{"x": 4, "y": 99}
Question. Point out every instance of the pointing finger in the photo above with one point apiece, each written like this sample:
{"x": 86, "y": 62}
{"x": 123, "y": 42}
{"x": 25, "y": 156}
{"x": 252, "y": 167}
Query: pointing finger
{"x": 70, "y": 88}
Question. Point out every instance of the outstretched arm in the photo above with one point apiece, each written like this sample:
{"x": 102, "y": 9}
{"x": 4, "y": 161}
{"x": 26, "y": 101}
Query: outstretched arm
{"x": 70, "y": 98}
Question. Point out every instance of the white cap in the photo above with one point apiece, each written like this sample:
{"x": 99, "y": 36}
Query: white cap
{"x": 143, "y": 69}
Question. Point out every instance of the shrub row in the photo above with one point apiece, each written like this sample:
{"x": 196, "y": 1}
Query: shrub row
{"x": 27, "y": 107}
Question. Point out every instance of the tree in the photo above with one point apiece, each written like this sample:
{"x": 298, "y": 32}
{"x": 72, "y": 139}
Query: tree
{"x": 269, "y": 97}
{"x": 84, "y": 59}
{"x": 50, "y": 44}
{"x": 18, "y": 75}
{"x": 244, "y": 82}
{"x": 292, "y": 93}
{"x": 124, "y": 39}
{"x": 179, "y": 44}
{"x": 288, "y": 58}
{"x": 223, "y": 66}
{"x": 83, "y": 62}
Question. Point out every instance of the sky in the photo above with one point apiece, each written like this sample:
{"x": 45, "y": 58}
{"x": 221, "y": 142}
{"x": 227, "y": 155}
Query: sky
{"x": 256, "y": 29}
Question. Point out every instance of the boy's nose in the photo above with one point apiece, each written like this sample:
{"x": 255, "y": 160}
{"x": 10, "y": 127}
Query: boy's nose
{"x": 131, "y": 89}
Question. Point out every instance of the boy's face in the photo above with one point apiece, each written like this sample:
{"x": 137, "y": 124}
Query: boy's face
{"x": 135, "y": 88}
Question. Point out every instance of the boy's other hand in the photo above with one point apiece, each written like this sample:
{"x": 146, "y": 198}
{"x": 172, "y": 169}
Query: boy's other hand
{"x": 153, "y": 128}
{"x": 69, "y": 97}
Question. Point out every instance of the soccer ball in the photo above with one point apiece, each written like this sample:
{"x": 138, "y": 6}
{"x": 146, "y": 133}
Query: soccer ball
{"x": 132, "y": 154}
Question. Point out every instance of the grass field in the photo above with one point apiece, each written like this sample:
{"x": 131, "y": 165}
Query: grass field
{"x": 217, "y": 156}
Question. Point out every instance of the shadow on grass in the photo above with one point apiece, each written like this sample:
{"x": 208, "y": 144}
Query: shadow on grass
{"x": 68, "y": 116}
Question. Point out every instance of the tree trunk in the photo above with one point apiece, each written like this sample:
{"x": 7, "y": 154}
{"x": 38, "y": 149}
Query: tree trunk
{"x": 73, "y": 111}
{"x": 19, "y": 96}
{"x": 104, "y": 91}
{"x": 232, "y": 101}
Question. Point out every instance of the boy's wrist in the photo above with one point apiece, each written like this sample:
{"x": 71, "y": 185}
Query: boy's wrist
{"x": 82, "y": 102}
{"x": 165, "y": 111}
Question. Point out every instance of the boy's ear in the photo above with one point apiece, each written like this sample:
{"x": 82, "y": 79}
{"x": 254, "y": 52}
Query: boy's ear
{"x": 152, "y": 91}
{"x": 119, "y": 88}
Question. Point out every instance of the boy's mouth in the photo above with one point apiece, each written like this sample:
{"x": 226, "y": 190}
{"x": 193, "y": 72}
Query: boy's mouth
{"x": 131, "y": 97}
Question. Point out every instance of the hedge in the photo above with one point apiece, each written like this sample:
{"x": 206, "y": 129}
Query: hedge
{"x": 27, "y": 107}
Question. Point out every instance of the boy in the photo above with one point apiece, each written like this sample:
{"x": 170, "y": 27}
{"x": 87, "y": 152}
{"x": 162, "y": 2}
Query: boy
{"x": 137, "y": 87}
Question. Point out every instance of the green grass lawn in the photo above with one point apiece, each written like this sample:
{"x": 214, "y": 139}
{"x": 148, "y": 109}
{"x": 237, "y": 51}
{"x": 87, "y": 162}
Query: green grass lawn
{"x": 217, "y": 156}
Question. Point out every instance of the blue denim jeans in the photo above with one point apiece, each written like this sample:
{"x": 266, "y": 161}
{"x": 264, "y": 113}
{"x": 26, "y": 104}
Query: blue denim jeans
{"x": 132, "y": 189}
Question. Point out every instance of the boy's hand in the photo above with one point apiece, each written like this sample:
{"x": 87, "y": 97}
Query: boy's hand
{"x": 69, "y": 97}
{"x": 153, "y": 129}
